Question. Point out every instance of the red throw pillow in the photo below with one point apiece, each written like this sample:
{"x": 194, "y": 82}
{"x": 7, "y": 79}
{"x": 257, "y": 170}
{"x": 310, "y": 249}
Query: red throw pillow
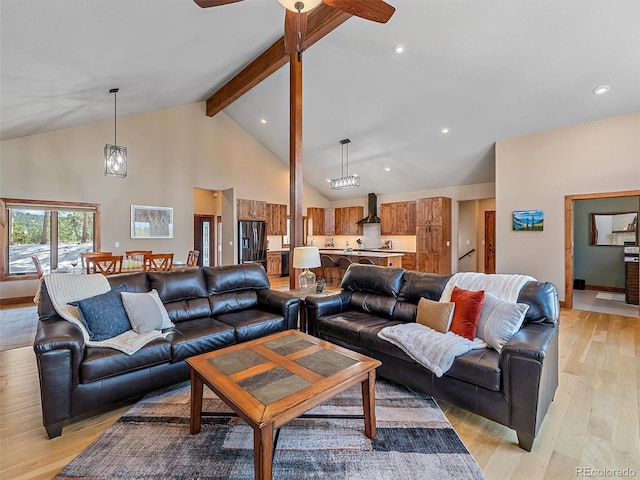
{"x": 467, "y": 312}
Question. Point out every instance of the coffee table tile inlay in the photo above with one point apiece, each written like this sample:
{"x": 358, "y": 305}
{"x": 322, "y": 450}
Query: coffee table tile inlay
{"x": 272, "y": 380}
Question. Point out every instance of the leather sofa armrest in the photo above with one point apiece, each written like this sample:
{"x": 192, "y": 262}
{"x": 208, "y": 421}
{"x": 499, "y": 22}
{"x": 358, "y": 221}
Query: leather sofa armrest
{"x": 59, "y": 334}
{"x": 317, "y": 307}
{"x": 283, "y": 303}
{"x": 530, "y": 377}
{"x": 59, "y": 348}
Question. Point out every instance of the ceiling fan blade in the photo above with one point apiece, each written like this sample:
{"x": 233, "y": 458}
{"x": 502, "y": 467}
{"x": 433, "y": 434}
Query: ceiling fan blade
{"x": 375, "y": 10}
{"x": 295, "y": 28}
{"x": 214, "y": 3}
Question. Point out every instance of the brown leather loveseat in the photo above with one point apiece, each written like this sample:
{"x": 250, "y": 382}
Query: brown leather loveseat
{"x": 514, "y": 387}
{"x": 210, "y": 307}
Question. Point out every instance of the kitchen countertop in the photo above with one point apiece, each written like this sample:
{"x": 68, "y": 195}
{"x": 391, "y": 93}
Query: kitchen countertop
{"x": 364, "y": 253}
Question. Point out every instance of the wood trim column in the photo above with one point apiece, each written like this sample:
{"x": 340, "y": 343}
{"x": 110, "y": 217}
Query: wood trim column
{"x": 295, "y": 160}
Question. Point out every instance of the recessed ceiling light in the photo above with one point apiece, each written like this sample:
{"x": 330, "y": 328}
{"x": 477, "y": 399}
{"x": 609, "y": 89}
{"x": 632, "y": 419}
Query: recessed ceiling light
{"x": 387, "y": 169}
{"x": 263, "y": 121}
{"x": 445, "y": 130}
{"x": 600, "y": 89}
{"x": 399, "y": 48}
{"x": 328, "y": 180}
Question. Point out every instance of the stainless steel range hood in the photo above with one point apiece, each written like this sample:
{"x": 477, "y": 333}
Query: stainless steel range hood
{"x": 373, "y": 210}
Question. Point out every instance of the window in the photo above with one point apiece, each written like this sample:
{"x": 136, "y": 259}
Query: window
{"x": 56, "y": 232}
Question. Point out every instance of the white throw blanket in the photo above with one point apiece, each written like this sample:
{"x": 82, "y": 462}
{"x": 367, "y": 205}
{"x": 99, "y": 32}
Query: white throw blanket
{"x": 503, "y": 286}
{"x": 64, "y": 288}
{"x": 434, "y": 350}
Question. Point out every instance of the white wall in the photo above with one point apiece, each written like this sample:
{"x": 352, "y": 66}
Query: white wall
{"x": 537, "y": 171}
{"x": 169, "y": 153}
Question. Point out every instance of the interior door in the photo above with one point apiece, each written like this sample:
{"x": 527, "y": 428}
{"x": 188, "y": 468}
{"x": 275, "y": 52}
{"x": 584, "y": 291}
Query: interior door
{"x": 490, "y": 241}
{"x": 203, "y": 239}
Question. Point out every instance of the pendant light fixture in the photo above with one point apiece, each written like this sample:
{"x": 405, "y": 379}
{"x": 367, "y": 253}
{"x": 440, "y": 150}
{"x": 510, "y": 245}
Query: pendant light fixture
{"x": 346, "y": 181}
{"x": 115, "y": 157}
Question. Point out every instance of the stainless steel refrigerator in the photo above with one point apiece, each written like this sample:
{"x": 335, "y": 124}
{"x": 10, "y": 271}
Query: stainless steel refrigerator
{"x": 252, "y": 242}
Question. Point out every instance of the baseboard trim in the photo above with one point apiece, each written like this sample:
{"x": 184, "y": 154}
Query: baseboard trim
{"x": 15, "y": 301}
{"x": 604, "y": 288}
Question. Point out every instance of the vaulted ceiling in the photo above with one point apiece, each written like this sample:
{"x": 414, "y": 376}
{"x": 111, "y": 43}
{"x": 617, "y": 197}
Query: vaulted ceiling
{"x": 487, "y": 70}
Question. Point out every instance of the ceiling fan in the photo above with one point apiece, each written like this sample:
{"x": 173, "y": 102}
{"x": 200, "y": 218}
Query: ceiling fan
{"x": 295, "y": 20}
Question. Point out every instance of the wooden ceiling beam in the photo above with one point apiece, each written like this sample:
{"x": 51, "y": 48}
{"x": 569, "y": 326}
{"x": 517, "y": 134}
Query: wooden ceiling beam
{"x": 320, "y": 22}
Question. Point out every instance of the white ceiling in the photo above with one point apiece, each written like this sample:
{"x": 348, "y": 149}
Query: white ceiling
{"x": 487, "y": 69}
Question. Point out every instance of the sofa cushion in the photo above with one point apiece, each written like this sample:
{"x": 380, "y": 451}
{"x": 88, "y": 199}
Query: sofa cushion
{"x": 467, "y": 312}
{"x": 250, "y": 276}
{"x": 233, "y": 301}
{"x": 135, "y": 282}
{"x": 146, "y": 311}
{"x": 188, "y": 309}
{"x": 478, "y": 367}
{"x": 435, "y": 315}
{"x": 373, "y": 303}
{"x": 101, "y": 362}
{"x": 499, "y": 321}
{"x": 199, "y": 335}
{"x": 252, "y": 323}
{"x": 542, "y": 298}
{"x": 176, "y": 286}
{"x": 416, "y": 285}
{"x": 373, "y": 279}
{"x": 347, "y": 325}
{"x": 104, "y": 315}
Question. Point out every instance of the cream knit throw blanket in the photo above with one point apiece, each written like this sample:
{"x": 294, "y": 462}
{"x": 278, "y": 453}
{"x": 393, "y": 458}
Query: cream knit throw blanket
{"x": 431, "y": 349}
{"x": 503, "y": 286}
{"x": 64, "y": 288}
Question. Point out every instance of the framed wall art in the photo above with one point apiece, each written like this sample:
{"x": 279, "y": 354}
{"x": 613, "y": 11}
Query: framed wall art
{"x": 528, "y": 220}
{"x": 151, "y": 222}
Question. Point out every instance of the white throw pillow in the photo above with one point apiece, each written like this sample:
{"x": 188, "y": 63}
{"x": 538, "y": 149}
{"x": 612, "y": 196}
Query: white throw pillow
{"x": 146, "y": 311}
{"x": 499, "y": 321}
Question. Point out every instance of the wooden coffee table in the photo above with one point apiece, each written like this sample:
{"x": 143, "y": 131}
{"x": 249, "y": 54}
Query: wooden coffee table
{"x": 272, "y": 380}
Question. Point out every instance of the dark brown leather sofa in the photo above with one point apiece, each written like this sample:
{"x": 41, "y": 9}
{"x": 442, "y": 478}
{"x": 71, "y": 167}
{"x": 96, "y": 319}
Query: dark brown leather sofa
{"x": 514, "y": 387}
{"x": 210, "y": 307}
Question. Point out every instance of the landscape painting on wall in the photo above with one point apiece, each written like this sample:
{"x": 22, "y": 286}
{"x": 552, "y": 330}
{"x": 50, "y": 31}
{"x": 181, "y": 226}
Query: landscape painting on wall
{"x": 151, "y": 222}
{"x": 528, "y": 220}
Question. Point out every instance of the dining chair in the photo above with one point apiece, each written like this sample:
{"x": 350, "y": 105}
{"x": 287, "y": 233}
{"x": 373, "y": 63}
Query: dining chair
{"x": 327, "y": 263}
{"x": 137, "y": 255}
{"x": 192, "y": 258}
{"x": 86, "y": 255}
{"x": 105, "y": 264}
{"x": 158, "y": 262}
{"x": 343, "y": 264}
{"x": 36, "y": 262}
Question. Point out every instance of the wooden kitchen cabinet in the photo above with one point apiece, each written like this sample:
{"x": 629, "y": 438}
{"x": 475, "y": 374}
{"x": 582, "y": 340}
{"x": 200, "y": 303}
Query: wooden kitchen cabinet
{"x": 346, "y": 220}
{"x": 251, "y": 209}
{"x": 276, "y": 219}
{"x": 322, "y": 221}
{"x": 398, "y": 218}
{"x": 433, "y": 235}
{"x": 409, "y": 261}
{"x": 274, "y": 264}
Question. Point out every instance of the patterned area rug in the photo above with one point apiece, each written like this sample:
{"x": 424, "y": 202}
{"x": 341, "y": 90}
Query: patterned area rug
{"x": 152, "y": 441}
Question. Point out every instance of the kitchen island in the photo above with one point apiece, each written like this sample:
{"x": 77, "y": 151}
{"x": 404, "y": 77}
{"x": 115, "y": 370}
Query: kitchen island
{"x": 385, "y": 259}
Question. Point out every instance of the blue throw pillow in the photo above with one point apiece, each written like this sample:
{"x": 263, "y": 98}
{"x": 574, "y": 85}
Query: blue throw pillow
{"x": 104, "y": 315}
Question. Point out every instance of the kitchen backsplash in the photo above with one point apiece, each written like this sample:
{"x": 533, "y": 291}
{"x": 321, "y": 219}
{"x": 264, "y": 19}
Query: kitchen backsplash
{"x": 371, "y": 239}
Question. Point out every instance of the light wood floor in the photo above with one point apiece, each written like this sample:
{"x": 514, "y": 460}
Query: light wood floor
{"x": 592, "y": 423}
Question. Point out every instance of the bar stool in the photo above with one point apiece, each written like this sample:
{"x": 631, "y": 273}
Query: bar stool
{"x": 326, "y": 262}
{"x": 343, "y": 264}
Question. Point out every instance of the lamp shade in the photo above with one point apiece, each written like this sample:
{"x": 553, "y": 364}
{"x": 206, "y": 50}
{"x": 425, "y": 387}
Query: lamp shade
{"x": 306, "y": 257}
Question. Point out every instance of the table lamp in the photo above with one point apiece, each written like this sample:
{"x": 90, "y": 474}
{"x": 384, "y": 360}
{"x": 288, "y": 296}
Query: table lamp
{"x": 306, "y": 258}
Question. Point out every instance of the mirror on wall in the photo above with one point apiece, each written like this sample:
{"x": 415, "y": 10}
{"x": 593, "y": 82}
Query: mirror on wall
{"x": 617, "y": 228}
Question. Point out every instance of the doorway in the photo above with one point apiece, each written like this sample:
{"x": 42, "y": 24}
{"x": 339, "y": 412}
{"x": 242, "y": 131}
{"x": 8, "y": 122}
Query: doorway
{"x": 570, "y": 233}
{"x": 490, "y": 241}
{"x": 204, "y": 233}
